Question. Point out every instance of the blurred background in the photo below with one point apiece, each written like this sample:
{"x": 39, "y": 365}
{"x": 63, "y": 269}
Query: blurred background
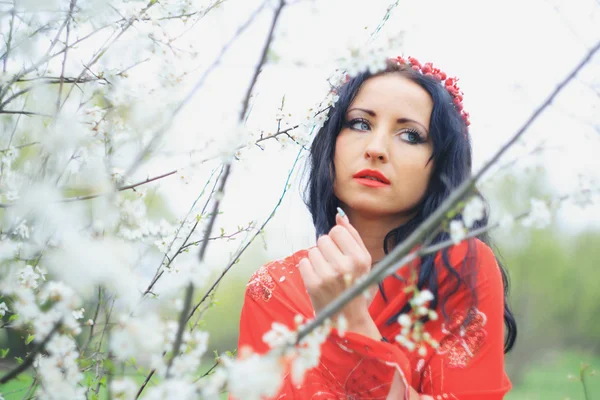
{"x": 509, "y": 56}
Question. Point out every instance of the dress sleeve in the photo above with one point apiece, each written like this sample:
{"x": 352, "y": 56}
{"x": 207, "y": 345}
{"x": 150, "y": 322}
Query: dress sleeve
{"x": 469, "y": 362}
{"x": 351, "y": 366}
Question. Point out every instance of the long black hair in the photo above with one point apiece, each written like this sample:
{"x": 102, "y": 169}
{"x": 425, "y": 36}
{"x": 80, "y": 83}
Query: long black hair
{"x": 451, "y": 166}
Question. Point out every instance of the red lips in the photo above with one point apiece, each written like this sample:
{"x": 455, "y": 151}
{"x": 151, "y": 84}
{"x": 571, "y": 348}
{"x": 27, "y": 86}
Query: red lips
{"x": 371, "y": 175}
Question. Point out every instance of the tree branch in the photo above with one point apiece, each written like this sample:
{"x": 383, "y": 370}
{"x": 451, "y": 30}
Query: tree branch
{"x": 31, "y": 356}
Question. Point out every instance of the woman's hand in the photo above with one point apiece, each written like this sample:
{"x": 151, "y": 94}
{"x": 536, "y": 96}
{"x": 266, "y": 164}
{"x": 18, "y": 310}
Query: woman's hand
{"x": 339, "y": 258}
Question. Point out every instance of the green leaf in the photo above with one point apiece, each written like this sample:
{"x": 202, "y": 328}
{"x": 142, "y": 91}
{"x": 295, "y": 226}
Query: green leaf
{"x": 29, "y": 339}
{"x": 13, "y": 317}
{"x": 4, "y": 352}
{"x": 19, "y": 360}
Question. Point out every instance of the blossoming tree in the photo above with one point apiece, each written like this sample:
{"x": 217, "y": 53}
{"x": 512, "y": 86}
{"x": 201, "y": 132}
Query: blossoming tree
{"x": 78, "y": 126}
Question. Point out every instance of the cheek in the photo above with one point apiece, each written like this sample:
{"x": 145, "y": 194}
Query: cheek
{"x": 415, "y": 173}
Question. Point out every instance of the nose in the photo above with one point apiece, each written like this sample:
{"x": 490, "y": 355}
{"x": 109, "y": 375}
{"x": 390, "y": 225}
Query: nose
{"x": 376, "y": 148}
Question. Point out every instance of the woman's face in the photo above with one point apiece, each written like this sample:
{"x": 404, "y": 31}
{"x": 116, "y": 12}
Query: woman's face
{"x": 386, "y": 132}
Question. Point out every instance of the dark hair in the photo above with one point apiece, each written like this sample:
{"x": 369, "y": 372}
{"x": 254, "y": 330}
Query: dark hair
{"x": 452, "y": 165}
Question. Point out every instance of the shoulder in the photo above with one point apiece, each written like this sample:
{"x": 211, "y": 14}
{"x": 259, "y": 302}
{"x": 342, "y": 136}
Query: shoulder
{"x": 473, "y": 257}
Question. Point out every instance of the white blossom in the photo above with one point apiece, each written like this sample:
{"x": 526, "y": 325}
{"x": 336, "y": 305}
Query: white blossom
{"x": 78, "y": 314}
{"x": 422, "y": 298}
{"x": 474, "y": 211}
{"x": 342, "y": 325}
{"x": 279, "y": 335}
{"x": 124, "y": 388}
{"x": 3, "y": 309}
{"x": 214, "y": 384}
{"x": 131, "y": 339}
{"x": 254, "y": 377}
{"x": 22, "y": 230}
{"x": 539, "y": 215}
{"x": 457, "y": 231}
{"x": 404, "y": 320}
{"x": 29, "y": 277}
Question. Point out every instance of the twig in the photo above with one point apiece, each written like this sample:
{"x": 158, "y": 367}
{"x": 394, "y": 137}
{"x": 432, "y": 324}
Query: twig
{"x": 31, "y": 356}
{"x": 64, "y": 62}
{"x": 159, "y": 132}
{"x": 93, "y": 196}
{"x": 9, "y": 41}
{"x": 215, "y": 238}
{"x": 160, "y": 269}
{"x": 141, "y": 389}
{"x": 95, "y": 321}
{"x": 189, "y": 293}
{"x": 259, "y": 230}
{"x": 19, "y": 147}
{"x": 25, "y": 113}
{"x": 390, "y": 262}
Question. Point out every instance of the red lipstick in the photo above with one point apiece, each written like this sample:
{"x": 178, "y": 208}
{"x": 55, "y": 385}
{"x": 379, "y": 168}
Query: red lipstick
{"x": 371, "y": 178}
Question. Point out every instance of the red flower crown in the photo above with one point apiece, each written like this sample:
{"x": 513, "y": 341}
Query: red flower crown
{"x": 428, "y": 69}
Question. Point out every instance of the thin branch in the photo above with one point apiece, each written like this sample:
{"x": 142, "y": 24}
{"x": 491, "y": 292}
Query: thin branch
{"x": 259, "y": 230}
{"x": 28, "y": 113}
{"x": 230, "y": 236}
{"x": 187, "y": 304}
{"x": 160, "y": 131}
{"x": 9, "y": 41}
{"x": 31, "y": 356}
{"x": 141, "y": 389}
{"x": 93, "y": 196}
{"x": 160, "y": 269}
{"x": 94, "y": 322}
{"x": 19, "y": 146}
{"x": 64, "y": 62}
{"x": 389, "y": 264}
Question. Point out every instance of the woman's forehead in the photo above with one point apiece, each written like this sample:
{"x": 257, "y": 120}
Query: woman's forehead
{"x": 394, "y": 95}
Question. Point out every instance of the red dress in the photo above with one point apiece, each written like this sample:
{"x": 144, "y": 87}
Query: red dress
{"x": 468, "y": 364}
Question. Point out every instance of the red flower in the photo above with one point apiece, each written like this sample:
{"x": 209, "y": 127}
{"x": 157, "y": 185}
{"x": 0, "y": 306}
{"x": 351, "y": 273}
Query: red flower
{"x": 414, "y": 61}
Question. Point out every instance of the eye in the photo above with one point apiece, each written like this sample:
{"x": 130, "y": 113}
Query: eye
{"x": 358, "y": 124}
{"x": 411, "y": 136}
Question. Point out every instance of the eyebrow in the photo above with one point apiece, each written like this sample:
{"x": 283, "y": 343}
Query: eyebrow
{"x": 399, "y": 120}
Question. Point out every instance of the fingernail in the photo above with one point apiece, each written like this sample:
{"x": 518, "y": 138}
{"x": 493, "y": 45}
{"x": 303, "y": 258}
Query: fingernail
{"x": 341, "y": 212}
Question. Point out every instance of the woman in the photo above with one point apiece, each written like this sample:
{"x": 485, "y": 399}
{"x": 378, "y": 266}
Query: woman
{"x": 394, "y": 146}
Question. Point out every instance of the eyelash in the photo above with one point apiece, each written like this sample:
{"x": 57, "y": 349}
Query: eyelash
{"x": 419, "y": 139}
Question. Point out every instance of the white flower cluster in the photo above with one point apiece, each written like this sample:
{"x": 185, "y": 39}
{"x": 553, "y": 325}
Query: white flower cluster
{"x": 372, "y": 59}
{"x": 412, "y": 334}
{"x": 3, "y": 309}
{"x": 130, "y": 338}
{"x": 58, "y": 371}
{"x": 42, "y": 305}
{"x": 253, "y": 377}
{"x": 473, "y": 211}
{"x": 193, "y": 347}
{"x": 308, "y": 352}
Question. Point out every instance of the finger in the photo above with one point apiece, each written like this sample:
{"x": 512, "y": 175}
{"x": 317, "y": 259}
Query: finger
{"x": 308, "y": 274}
{"x": 342, "y": 219}
{"x": 360, "y": 257}
{"x": 344, "y": 240}
{"x": 320, "y": 265}
{"x": 337, "y": 260}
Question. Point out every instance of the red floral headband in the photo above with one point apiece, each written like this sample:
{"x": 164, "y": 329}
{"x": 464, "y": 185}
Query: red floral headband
{"x": 428, "y": 69}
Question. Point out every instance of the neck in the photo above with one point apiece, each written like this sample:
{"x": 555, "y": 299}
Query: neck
{"x": 373, "y": 229}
